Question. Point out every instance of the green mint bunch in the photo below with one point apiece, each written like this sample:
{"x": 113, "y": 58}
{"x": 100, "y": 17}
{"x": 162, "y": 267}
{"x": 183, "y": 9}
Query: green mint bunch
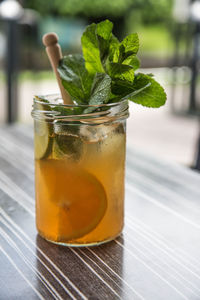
{"x": 106, "y": 72}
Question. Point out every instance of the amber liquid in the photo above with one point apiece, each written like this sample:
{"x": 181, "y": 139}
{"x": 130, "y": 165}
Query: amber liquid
{"x": 81, "y": 201}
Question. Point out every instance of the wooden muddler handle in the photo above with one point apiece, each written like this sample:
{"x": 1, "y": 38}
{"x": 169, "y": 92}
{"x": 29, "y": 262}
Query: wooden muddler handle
{"x": 50, "y": 41}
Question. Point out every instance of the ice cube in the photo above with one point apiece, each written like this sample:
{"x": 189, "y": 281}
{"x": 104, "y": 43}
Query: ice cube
{"x": 68, "y": 146}
{"x": 93, "y": 134}
{"x": 97, "y": 133}
{"x": 66, "y": 129}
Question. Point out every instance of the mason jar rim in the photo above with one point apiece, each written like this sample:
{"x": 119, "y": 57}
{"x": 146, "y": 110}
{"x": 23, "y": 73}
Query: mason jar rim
{"x": 103, "y": 113}
{"x": 41, "y": 98}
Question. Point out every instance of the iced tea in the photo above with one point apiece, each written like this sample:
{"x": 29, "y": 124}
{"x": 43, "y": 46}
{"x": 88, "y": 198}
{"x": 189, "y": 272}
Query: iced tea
{"x": 79, "y": 178}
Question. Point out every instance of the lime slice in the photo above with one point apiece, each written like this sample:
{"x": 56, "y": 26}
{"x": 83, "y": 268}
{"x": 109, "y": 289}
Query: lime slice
{"x": 43, "y": 130}
{"x": 78, "y": 196}
{"x": 43, "y": 141}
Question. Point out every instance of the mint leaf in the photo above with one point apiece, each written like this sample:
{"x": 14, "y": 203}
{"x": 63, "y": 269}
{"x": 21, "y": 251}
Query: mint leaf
{"x": 113, "y": 48}
{"x": 65, "y": 111}
{"x": 96, "y": 41}
{"x": 123, "y": 61}
{"x": 104, "y": 32}
{"x": 129, "y": 46}
{"x": 75, "y": 78}
{"x": 121, "y": 88}
{"x": 91, "y": 52}
{"x": 120, "y": 71}
{"x": 147, "y": 92}
{"x": 132, "y": 61}
{"x": 101, "y": 89}
{"x": 100, "y": 92}
{"x": 104, "y": 29}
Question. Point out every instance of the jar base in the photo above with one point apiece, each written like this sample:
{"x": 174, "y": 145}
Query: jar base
{"x": 74, "y": 245}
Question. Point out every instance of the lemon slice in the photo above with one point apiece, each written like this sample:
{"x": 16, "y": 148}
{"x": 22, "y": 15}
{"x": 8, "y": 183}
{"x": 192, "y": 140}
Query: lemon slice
{"x": 79, "y": 196}
{"x": 42, "y": 141}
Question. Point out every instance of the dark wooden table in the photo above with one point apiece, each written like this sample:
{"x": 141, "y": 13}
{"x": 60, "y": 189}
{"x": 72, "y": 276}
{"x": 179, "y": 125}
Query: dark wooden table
{"x": 156, "y": 257}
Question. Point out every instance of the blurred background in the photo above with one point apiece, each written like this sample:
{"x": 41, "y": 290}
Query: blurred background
{"x": 169, "y": 32}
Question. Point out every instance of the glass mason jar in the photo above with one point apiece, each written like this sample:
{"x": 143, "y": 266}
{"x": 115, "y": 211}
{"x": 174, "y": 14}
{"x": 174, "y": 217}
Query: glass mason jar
{"x": 79, "y": 170}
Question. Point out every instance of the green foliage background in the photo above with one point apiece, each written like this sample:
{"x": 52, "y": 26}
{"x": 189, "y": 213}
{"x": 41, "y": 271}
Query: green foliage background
{"x": 146, "y": 10}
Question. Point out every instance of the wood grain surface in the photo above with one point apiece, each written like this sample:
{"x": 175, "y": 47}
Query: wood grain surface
{"x": 156, "y": 257}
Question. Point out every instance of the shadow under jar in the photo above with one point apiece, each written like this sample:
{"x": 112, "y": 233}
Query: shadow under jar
{"x": 79, "y": 170}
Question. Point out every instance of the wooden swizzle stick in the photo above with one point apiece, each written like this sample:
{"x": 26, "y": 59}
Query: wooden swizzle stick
{"x": 50, "y": 41}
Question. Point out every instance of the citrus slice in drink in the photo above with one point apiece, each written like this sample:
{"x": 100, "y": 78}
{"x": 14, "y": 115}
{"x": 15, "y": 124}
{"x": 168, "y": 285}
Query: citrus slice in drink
{"x": 78, "y": 195}
{"x": 43, "y": 130}
{"x": 43, "y": 141}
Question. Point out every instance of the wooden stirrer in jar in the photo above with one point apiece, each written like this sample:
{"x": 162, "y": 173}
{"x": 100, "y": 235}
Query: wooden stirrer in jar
{"x": 53, "y": 49}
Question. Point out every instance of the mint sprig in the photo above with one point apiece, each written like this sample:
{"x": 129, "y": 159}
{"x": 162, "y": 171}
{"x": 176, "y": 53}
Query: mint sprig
{"x": 106, "y": 71}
